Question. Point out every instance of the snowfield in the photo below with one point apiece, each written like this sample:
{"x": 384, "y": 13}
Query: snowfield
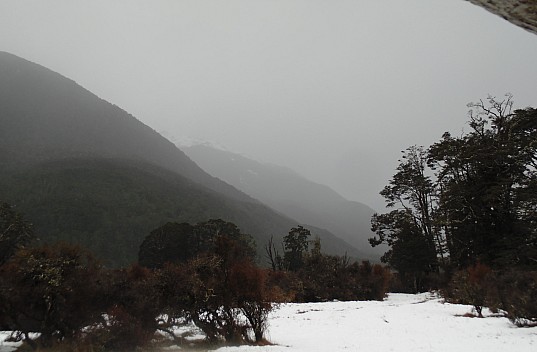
{"x": 400, "y": 323}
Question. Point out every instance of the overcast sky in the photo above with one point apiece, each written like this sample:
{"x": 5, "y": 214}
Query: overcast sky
{"x": 334, "y": 89}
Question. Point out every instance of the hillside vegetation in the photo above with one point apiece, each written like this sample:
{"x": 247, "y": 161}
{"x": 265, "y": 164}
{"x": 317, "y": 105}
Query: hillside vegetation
{"x": 86, "y": 171}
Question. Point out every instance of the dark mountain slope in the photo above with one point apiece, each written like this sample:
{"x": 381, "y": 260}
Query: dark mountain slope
{"x": 110, "y": 205}
{"x": 45, "y": 116}
{"x": 84, "y": 170}
{"x": 289, "y": 193}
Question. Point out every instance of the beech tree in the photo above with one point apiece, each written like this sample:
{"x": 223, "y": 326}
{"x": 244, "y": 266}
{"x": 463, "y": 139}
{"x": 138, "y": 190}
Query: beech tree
{"x": 409, "y": 229}
{"x": 466, "y": 199}
{"x": 295, "y": 245}
{"x": 487, "y": 178}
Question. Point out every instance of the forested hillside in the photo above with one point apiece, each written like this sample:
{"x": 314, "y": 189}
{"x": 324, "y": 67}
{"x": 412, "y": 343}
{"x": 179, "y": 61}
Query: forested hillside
{"x": 45, "y": 116}
{"x": 86, "y": 171}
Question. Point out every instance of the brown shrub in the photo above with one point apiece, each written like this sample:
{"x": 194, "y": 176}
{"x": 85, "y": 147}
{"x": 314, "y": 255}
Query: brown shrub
{"x": 475, "y": 285}
{"x": 248, "y": 284}
{"x": 285, "y": 286}
{"x": 514, "y": 292}
{"x": 226, "y": 289}
{"x": 374, "y": 281}
{"x": 53, "y": 290}
{"x": 326, "y": 277}
{"x": 518, "y": 296}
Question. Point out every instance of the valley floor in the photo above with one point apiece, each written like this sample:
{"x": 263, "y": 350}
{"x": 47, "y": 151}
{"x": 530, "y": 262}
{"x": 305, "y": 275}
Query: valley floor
{"x": 400, "y": 323}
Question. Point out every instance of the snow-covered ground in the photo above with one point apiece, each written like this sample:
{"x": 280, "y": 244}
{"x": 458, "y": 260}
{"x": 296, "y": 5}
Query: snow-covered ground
{"x": 400, "y": 323}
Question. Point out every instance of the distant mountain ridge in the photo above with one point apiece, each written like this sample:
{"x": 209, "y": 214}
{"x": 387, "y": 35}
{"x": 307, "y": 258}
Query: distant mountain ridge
{"x": 290, "y": 193}
{"x": 84, "y": 170}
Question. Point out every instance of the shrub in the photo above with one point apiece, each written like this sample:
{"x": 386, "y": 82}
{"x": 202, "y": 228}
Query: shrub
{"x": 372, "y": 281}
{"x": 284, "y": 286}
{"x": 328, "y": 277}
{"x": 53, "y": 290}
{"x": 248, "y": 284}
{"x": 229, "y": 299}
{"x": 135, "y": 304}
{"x": 123, "y": 331}
{"x": 514, "y": 292}
{"x": 475, "y": 285}
{"x": 518, "y": 296}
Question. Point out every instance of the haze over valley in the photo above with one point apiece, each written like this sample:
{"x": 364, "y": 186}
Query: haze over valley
{"x": 268, "y": 175}
{"x": 290, "y": 193}
{"x": 333, "y": 91}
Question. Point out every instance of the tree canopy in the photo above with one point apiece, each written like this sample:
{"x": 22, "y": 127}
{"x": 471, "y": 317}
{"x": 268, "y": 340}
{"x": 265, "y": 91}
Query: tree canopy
{"x": 179, "y": 242}
{"x": 466, "y": 199}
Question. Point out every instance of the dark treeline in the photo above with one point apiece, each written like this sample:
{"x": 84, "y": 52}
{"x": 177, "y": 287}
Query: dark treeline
{"x": 204, "y": 275}
{"x": 63, "y": 293}
{"x": 464, "y": 213}
{"x": 308, "y": 275}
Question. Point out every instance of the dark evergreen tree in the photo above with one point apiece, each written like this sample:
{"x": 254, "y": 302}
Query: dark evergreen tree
{"x": 15, "y": 232}
{"x": 207, "y": 234}
{"x": 295, "y": 245}
{"x": 168, "y": 243}
{"x": 410, "y": 253}
{"x": 466, "y": 199}
{"x": 487, "y": 178}
{"x": 176, "y": 243}
{"x": 415, "y": 241}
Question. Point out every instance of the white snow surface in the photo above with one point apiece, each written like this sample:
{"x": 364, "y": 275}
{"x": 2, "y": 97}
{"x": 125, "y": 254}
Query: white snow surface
{"x": 402, "y": 322}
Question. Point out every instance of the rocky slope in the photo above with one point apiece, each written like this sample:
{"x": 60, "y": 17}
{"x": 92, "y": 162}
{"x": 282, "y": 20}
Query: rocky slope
{"x": 522, "y": 13}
